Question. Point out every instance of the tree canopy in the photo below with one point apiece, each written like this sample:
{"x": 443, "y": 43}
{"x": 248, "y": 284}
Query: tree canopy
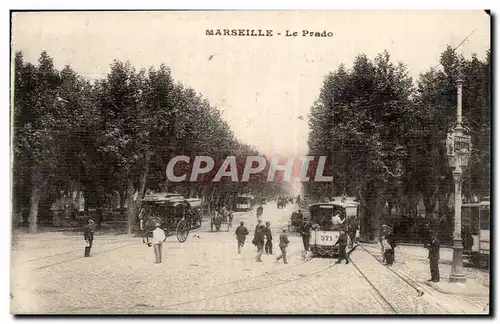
{"x": 114, "y": 134}
{"x": 385, "y": 135}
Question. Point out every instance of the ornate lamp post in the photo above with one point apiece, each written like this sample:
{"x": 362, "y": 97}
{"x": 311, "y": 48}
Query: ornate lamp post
{"x": 458, "y": 145}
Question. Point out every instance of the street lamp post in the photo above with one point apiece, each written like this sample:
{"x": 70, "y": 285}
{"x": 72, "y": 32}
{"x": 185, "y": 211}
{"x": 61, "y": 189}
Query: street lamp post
{"x": 458, "y": 150}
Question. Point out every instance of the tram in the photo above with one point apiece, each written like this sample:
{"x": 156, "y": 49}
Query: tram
{"x": 324, "y": 235}
{"x": 243, "y": 202}
{"x": 476, "y": 232}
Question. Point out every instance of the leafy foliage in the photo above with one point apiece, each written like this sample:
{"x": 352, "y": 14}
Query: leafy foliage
{"x": 113, "y": 135}
{"x": 385, "y": 137}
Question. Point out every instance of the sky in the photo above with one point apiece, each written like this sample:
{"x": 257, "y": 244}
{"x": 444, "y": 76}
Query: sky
{"x": 261, "y": 84}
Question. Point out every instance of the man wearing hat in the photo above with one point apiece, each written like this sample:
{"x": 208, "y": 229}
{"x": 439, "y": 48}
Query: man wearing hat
{"x": 433, "y": 247}
{"x": 305, "y": 232}
{"x": 259, "y": 222}
{"x": 241, "y": 234}
{"x": 88, "y": 235}
{"x": 269, "y": 239}
{"x": 260, "y": 235}
{"x": 283, "y": 245}
{"x": 342, "y": 242}
{"x": 159, "y": 238}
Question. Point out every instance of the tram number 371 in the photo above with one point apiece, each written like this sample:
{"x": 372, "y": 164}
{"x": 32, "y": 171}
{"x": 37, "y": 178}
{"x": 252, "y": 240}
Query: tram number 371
{"x": 327, "y": 238}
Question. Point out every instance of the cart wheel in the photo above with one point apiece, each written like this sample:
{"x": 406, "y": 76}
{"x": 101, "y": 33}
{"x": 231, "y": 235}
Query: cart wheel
{"x": 182, "y": 231}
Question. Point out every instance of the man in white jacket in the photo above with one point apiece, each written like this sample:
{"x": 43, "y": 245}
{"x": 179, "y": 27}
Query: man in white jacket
{"x": 159, "y": 238}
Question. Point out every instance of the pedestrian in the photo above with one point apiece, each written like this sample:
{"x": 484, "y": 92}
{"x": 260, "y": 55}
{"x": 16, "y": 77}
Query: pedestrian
{"x": 159, "y": 238}
{"x": 342, "y": 242}
{"x": 260, "y": 210}
{"x": 384, "y": 230}
{"x": 230, "y": 218}
{"x": 283, "y": 245}
{"x": 241, "y": 234}
{"x": 305, "y": 232}
{"x": 352, "y": 228}
{"x": 259, "y": 241}
{"x": 388, "y": 251}
{"x": 269, "y": 239}
{"x": 300, "y": 215}
{"x": 433, "y": 247}
{"x": 259, "y": 222}
{"x": 88, "y": 235}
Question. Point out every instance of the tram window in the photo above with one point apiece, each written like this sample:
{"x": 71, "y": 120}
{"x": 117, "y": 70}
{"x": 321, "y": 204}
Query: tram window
{"x": 466, "y": 215}
{"x": 474, "y": 221}
{"x": 485, "y": 219}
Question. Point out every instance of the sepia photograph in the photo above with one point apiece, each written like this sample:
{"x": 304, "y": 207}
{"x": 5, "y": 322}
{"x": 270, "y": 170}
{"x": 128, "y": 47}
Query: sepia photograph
{"x": 237, "y": 162}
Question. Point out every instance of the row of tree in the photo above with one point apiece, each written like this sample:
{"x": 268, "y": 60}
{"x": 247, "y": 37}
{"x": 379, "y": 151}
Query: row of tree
{"x": 115, "y": 134}
{"x": 386, "y": 135}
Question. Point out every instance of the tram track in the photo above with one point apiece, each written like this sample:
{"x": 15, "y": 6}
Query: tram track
{"x": 408, "y": 281}
{"x": 377, "y": 291}
{"x": 80, "y": 257}
{"x": 65, "y": 253}
{"x": 251, "y": 289}
{"x": 259, "y": 286}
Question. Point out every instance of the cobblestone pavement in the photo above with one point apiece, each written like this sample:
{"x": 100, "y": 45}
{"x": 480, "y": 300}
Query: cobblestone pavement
{"x": 203, "y": 275}
{"x": 411, "y": 263}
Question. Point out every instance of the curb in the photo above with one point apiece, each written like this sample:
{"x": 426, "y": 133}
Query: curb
{"x": 435, "y": 287}
{"x": 447, "y": 292}
{"x": 421, "y": 245}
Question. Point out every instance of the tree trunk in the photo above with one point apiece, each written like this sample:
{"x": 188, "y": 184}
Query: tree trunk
{"x": 123, "y": 195}
{"x": 377, "y": 220}
{"x": 131, "y": 206}
{"x": 144, "y": 176}
{"x": 86, "y": 196}
{"x": 365, "y": 227}
{"x": 99, "y": 217}
{"x": 36, "y": 193}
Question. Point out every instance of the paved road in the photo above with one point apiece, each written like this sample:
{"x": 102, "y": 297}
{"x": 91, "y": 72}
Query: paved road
{"x": 203, "y": 275}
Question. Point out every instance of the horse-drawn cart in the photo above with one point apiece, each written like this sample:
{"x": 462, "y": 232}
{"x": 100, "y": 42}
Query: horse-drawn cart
{"x": 174, "y": 213}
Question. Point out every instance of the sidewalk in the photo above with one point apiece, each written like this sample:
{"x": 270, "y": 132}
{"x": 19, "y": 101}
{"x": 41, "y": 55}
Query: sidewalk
{"x": 411, "y": 263}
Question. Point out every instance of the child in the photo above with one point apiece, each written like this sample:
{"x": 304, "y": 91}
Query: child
{"x": 159, "y": 238}
{"x": 283, "y": 245}
{"x": 388, "y": 251}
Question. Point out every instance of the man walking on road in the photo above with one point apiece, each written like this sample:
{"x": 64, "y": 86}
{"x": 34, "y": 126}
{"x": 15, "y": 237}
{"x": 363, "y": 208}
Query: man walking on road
{"x": 269, "y": 239}
{"x": 305, "y": 232}
{"x": 283, "y": 245}
{"x": 433, "y": 247}
{"x": 260, "y": 210}
{"x": 259, "y": 241}
{"x": 259, "y": 222}
{"x": 159, "y": 238}
{"x": 88, "y": 235}
{"x": 342, "y": 242}
{"x": 241, "y": 234}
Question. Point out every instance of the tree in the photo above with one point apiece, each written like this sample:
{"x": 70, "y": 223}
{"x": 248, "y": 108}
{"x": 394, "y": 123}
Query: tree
{"x": 38, "y": 122}
{"x": 361, "y": 113}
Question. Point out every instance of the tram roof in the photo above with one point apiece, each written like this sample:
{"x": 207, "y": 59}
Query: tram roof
{"x": 163, "y": 196}
{"x": 330, "y": 204}
{"x": 479, "y": 204}
{"x": 245, "y": 196}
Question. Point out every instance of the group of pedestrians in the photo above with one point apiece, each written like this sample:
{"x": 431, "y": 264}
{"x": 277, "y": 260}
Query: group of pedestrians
{"x": 388, "y": 244}
{"x": 263, "y": 240}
